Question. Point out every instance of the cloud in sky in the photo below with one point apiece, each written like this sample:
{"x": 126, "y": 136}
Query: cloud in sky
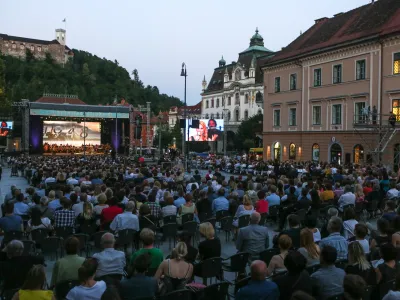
{"x": 156, "y": 36}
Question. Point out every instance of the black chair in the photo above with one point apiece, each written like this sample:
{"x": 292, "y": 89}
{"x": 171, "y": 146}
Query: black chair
{"x": 237, "y": 263}
{"x": 221, "y": 213}
{"x": 52, "y": 245}
{"x": 204, "y": 216}
{"x": 368, "y": 292}
{"x": 187, "y": 218}
{"x": 273, "y": 213}
{"x": 217, "y": 291}
{"x": 385, "y": 287}
{"x": 29, "y": 247}
{"x": 213, "y": 221}
{"x": 341, "y": 264}
{"x": 170, "y": 231}
{"x": 241, "y": 283}
{"x": 312, "y": 269}
{"x": 243, "y": 221}
{"x": 190, "y": 228}
{"x": 263, "y": 219}
{"x": 97, "y": 239}
{"x": 12, "y": 235}
{"x": 169, "y": 219}
{"x": 62, "y": 288}
{"x": 227, "y": 226}
{"x": 38, "y": 235}
{"x": 125, "y": 238}
{"x": 64, "y": 232}
{"x": 83, "y": 242}
{"x": 372, "y": 207}
{"x": 8, "y": 294}
{"x": 180, "y": 294}
{"x": 210, "y": 268}
{"x": 267, "y": 255}
{"x": 88, "y": 228}
{"x": 336, "y": 297}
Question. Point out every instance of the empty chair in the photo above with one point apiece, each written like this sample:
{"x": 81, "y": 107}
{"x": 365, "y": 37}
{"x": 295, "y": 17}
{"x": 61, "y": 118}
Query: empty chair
{"x": 169, "y": 219}
{"x": 62, "y": 288}
{"x": 88, "y": 228}
{"x": 170, "y": 231}
{"x": 29, "y": 247}
{"x": 385, "y": 287}
{"x": 52, "y": 245}
{"x": 227, "y": 226}
{"x": 244, "y": 221}
{"x": 38, "y": 235}
{"x": 125, "y": 238}
{"x": 187, "y": 218}
{"x": 210, "y": 268}
{"x": 221, "y": 213}
{"x": 237, "y": 263}
{"x": 64, "y": 231}
{"x": 83, "y": 242}
{"x": 217, "y": 291}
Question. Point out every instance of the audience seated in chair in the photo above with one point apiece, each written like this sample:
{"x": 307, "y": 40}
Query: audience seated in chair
{"x": 335, "y": 239}
{"x": 10, "y": 221}
{"x": 147, "y": 237}
{"x": 126, "y": 220}
{"x": 34, "y": 286}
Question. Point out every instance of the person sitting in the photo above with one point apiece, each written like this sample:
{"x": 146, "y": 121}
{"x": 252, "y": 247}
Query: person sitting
{"x": 16, "y": 264}
{"x": 147, "y": 237}
{"x": 110, "y": 261}
{"x": 359, "y": 265}
{"x": 176, "y": 271}
{"x": 294, "y": 230}
{"x": 203, "y": 206}
{"x": 310, "y": 223}
{"x": 181, "y": 199}
{"x": 335, "y": 239}
{"x": 155, "y": 208}
{"x": 382, "y": 237}
{"x": 169, "y": 209}
{"x": 192, "y": 251}
{"x": 349, "y": 223}
{"x": 253, "y": 239}
{"x": 390, "y": 211}
{"x": 273, "y": 199}
{"x": 361, "y": 231}
{"x": 64, "y": 217}
{"x": 220, "y": 203}
{"x": 393, "y": 192}
{"x": 145, "y": 217}
{"x": 388, "y": 269}
{"x": 258, "y": 287}
{"x": 276, "y": 264}
{"x": 101, "y": 199}
{"x": 243, "y": 210}
{"x": 89, "y": 288}
{"x": 33, "y": 287}
{"x": 67, "y": 267}
{"x": 211, "y": 246}
{"x": 139, "y": 285}
{"x": 54, "y": 203}
{"x": 10, "y": 221}
{"x": 188, "y": 208}
{"x": 20, "y": 208}
{"x": 108, "y": 214}
{"x": 309, "y": 249}
{"x": 261, "y": 205}
{"x": 296, "y": 279}
{"x": 347, "y": 198}
{"x": 354, "y": 287}
{"x": 126, "y": 220}
{"x": 327, "y": 195}
{"x": 328, "y": 280}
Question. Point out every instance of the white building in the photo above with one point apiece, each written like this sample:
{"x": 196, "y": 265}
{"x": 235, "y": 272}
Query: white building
{"x": 237, "y": 89}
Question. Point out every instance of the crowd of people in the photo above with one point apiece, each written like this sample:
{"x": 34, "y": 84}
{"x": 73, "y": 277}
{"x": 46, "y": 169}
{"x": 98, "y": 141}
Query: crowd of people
{"x": 308, "y": 229}
{"x": 73, "y": 149}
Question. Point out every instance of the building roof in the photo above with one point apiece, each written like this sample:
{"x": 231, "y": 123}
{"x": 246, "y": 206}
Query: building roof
{"x": 372, "y": 21}
{"x": 256, "y": 44}
{"x": 60, "y": 99}
{"x": 26, "y": 40}
{"x": 190, "y": 109}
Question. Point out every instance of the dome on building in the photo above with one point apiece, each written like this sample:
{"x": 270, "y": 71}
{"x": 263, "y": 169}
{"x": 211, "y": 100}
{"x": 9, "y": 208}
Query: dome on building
{"x": 257, "y": 43}
{"x": 222, "y": 62}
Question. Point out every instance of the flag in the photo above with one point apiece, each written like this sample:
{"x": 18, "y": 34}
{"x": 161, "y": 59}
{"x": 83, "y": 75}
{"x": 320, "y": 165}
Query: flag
{"x": 65, "y": 20}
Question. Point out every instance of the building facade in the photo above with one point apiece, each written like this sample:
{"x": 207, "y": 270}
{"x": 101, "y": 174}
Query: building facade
{"x": 330, "y": 92}
{"x": 18, "y": 46}
{"x": 176, "y": 113}
{"x": 235, "y": 91}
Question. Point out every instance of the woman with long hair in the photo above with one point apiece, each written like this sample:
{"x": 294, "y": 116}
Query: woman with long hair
{"x": 308, "y": 247}
{"x": 358, "y": 263}
{"x": 246, "y": 208}
{"x": 38, "y": 220}
{"x": 359, "y": 193}
{"x": 89, "y": 288}
{"x": 277, "y": 262}
{"x": 34, "y": 286}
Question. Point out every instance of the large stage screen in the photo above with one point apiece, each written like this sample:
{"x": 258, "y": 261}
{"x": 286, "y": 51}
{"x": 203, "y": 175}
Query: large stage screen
{"x": 209, "y": 130}
{"x": 71, "y": 133}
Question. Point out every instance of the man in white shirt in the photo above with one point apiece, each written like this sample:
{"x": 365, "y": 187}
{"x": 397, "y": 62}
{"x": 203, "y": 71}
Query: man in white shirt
{"x": 393, "y": 192}
{"x": 347, "y": 198}
{"x": 78, "y": 207}
{"x": 72, "y": 180}
{"x": 126, "y": 220}
{"x": 50, "y": 179}
{"x": 110, "y": 261}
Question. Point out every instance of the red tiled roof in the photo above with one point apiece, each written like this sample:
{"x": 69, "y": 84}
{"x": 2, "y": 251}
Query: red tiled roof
{"x": 373, "y": 20}
{"x": 60, "y": 100}
{"x": 191, "y": 109}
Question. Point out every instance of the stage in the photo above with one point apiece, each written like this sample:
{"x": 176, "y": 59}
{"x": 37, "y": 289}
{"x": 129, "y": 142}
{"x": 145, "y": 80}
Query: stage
{"x": 72, "y": 154}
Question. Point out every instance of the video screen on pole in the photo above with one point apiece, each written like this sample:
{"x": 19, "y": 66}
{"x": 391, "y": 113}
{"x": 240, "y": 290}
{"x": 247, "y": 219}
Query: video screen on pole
{"x": 209, "y": 130}
{"x": 71, "y": 133}
{"x": 6, "y": 127}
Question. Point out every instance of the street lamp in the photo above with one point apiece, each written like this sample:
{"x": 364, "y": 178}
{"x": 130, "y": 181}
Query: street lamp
{"x": 84, "y": 134}
{"x": 159, "y": 137}
{"x": 184, "y": 74}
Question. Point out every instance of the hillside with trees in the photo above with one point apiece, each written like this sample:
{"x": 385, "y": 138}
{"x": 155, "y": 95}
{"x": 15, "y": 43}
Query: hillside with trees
{"x": 95, "y": 80}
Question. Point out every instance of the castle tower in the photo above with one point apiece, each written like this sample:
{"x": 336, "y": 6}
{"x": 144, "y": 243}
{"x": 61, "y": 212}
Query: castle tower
{"x": 204, "y": 83}
{"x": 61, "y": 36}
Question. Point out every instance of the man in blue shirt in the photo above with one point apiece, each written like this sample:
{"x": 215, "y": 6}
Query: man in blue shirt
{"x": 273, "y": 199}
{"x": 220, "y": 203}
{"x": 334, "y": 239}
{"x": 258, "y": 287}
{"x": 181, "y": 200}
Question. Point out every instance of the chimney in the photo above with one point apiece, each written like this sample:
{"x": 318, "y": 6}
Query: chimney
{"x": 320, "y": 20}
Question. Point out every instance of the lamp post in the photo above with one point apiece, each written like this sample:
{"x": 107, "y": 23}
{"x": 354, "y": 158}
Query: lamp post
{"x": 141, "y": 141}
{"x": 84, "y": 134}
{"x": 159, "y": 137}
{"x": 184, "y": 74}
{"x": 225, "y": 110}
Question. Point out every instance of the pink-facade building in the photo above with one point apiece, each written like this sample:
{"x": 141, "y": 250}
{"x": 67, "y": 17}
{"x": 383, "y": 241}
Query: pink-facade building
{"x": 328, "y": 94}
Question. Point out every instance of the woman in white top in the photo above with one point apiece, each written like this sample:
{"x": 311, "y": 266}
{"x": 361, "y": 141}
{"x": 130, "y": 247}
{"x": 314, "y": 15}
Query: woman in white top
{"x": 89, "y": 288}
{"x": 38, "y": 220}
{"x": 349, "y": 223}
{"x": 311, "y": 224}
{"x": 244, "y": 209}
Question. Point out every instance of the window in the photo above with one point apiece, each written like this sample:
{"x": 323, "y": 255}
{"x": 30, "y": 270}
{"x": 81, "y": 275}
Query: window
{"x": 396, "y": 63}
{"x": 259, "y": 112}
{"x": 315, "y": 152}
{"x": 21, "y": 46}
{"x": 317, "y": 77}
{"x": 396, "y": 109}
{"x": 292, "y": 151}
{"x": 229, "y": 115}
{"x": 337, "y": 114}
{"x": 238, "y": 75}
{"x": 237, "y": 115}
{"x": 337, "y": 74}
{"x": 207, "y": 104}
{"x": 217, "y": 102}
{"x": 217, "y": 116}
{"x": 212, "y": 116}
{"x": 293, "y": 80}
{"x": 360, "y": 69}
{"x": 277, "y": 117}
{"x": 223, "y": 101}
{"x": 246, "y": 115}
{"x": 14, "y": 46}
{"x": 32, "y": 48}
{"x": 206, "y": 116}
{"x": 292, "y": 117}
{"x": 212, "y": 103}
{"x": 360, "y": 112}
{"x": 229, "y": 100}
{"x": 277, "y": 84}
{"x": 246, "y": 98}
{"x": 316, "y": 115}
{"x": 6, "y": 44}
{"x": 237, "y": 99}
{"x": 39, "y": 48}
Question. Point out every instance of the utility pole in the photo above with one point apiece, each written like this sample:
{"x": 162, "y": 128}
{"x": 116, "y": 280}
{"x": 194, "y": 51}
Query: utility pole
{"x": 184, "y": 74}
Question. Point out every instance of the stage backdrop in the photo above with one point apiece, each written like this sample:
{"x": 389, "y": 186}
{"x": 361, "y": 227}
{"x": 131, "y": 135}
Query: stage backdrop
{"x": 71, "y": 133}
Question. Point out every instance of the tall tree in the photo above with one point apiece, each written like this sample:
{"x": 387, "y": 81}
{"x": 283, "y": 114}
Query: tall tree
{"x": 5, "y": 104}
{"x": 247, "y": 132}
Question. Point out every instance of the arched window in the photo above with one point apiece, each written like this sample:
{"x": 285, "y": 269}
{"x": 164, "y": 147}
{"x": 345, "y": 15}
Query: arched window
{"x": 212, "y": 116}
{"x": 217, "y": 116}
{"x": 207, "y": 104}
{"x": 292, "y": 151}
{"x": 229, "y": 101}
{"x": 237, "y": 115}
{"x": 212, "y": 103}
{"x": 223, "y": 101}
{"x": 358, "y": 154}
{"x": 237, "y": 99}
{"x": 315, "y": 152}
{"x": 277, "y": 151}
{"x": 246, "y": 98}
{"x": 217, "y": 102}
{"x": 206, "y": 116}
{"x": 238, "y": 75}
{"x": 229, "y": 115}
{"x": 259, "y": 112}
{"x": 246, "y": 115}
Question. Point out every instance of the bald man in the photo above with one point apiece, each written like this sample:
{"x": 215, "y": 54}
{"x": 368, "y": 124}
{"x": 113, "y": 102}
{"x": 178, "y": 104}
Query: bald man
{"x": 253, "y": 238}
{"x": 258, "y": 287}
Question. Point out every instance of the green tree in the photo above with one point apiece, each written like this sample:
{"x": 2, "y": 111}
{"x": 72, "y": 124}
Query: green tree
{"x": 5, "y": 103}
{"x": 248, "y": 131}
